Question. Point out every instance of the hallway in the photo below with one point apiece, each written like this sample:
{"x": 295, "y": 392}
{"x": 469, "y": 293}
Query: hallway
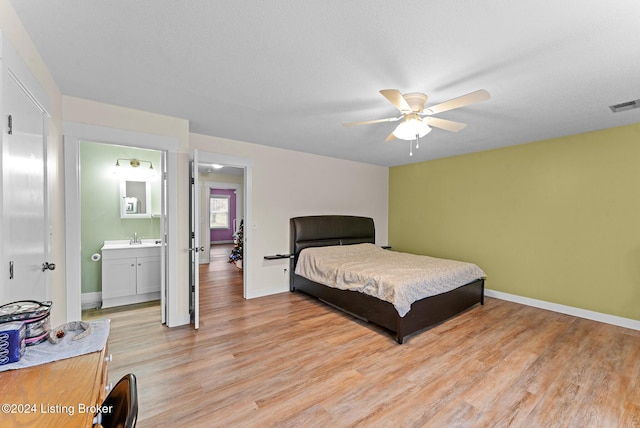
{"x": 221, "y": 282}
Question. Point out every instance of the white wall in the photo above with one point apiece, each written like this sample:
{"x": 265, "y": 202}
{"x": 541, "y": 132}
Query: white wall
{"x": 86, "y": 112}
{"x": 287, "y": 184}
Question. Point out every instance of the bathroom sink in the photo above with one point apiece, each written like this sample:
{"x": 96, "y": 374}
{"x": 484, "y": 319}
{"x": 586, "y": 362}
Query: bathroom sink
{"x": 125, "y": 243}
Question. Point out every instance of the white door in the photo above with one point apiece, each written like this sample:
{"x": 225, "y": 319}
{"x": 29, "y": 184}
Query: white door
{"x": 164, "y": 228}
{"x": 194, "y": 241}
{"x": 205, "y": 223}
{"x": 25, "y": 226}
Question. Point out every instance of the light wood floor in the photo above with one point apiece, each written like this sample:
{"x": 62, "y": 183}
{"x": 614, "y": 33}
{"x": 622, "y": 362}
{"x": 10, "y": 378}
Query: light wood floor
{"x": 290, "y": 361}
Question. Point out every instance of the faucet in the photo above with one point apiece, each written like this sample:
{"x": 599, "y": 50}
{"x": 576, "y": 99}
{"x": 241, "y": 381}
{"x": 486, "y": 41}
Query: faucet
{"x": 136, "y": 239}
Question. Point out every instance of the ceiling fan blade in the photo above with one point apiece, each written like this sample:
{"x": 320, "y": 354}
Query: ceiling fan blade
{"x": 464, "y": 100}
{"x": 448, "y": 125}
{"x": 390, "y": 119}
{"x": 390, "y": 137}
{"x": 395, "y": 97}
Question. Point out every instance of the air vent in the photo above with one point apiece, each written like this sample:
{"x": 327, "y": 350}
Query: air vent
{"x": 629, "y": 105}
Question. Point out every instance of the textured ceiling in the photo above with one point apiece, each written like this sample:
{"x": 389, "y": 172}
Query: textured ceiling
{"x": 289, "y": 73}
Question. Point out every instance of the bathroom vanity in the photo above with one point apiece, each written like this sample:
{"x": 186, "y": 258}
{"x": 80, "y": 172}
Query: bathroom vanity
{"x": 131, "y": 272}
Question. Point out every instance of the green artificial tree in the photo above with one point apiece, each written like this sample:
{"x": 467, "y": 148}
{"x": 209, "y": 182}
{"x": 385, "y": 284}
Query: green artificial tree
{"x": 236, "y": 252}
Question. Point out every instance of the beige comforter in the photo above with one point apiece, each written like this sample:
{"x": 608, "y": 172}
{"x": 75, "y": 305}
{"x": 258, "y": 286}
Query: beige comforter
{"x": 398, "y": 278}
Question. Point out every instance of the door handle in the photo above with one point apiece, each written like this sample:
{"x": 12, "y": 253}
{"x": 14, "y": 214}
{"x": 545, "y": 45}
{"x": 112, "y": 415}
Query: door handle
{"x": 196, "y": 250}
{"x": 47, "y": 265}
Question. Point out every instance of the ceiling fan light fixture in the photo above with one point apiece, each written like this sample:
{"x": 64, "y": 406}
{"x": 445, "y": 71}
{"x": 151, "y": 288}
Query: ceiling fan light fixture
{"x": 410, "y": 128}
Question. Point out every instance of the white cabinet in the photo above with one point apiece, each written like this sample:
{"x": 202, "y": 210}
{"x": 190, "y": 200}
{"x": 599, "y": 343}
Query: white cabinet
{"x": 130, "y": 274}
{"x": 119, "y": 278}
{"x": 148, "y": 274}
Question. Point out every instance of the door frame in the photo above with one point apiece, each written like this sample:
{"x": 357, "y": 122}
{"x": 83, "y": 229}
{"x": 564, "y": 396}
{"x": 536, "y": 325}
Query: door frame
{"x": 194, "y": 240}
{"x": 205, "y": 157}
{"x": 73, "y": 133}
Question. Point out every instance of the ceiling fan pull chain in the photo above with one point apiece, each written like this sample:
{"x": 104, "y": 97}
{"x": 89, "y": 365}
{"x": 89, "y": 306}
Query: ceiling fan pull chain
{"x": 417, "y": 141}
{"x": 410, "y": 148}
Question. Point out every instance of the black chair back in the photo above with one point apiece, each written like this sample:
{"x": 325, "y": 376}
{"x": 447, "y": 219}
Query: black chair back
{"x": 121, "y": 405}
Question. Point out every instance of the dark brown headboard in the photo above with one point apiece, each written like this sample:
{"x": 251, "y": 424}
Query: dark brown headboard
{"x": 324, "y": 230}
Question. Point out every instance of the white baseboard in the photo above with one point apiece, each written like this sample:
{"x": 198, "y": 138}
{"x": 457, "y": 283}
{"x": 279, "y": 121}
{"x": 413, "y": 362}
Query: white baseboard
{"x": 568, "y": 310}
{"x": 91, "y": 300}
{"x": 269, "y": 292}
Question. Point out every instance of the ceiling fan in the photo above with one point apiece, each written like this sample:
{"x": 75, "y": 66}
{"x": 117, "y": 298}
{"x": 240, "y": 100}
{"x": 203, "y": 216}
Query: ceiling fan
{"x": 416, "y": 120}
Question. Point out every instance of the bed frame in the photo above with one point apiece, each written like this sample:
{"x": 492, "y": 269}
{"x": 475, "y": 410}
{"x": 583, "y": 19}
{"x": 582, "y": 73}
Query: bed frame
{"x": 319, "y": 231}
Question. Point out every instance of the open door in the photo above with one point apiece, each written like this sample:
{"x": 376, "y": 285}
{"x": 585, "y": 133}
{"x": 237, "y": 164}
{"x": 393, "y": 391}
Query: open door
{"x": 205, "y": 225}
{"x": 164, "y": 227}
{"x": 194, "y": 241}
{"x": 24, "y": 228}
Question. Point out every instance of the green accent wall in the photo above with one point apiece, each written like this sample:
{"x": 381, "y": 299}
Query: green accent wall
{"x": 100, "y": 204}
{"x": 555, "y": 220}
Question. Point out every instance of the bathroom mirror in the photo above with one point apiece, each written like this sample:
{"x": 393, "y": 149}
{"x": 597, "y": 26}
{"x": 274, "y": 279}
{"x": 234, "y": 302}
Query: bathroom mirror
{"x": 135, "y": 199}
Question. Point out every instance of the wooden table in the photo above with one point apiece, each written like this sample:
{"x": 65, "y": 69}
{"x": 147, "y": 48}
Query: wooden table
{"x": 62, "y": 393}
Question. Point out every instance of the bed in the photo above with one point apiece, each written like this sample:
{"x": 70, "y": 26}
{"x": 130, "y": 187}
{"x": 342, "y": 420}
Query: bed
{"x": 337, "y": 230}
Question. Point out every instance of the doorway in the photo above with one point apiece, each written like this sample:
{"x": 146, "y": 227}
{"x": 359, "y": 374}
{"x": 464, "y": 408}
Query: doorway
{"x": 74, "y": 133}
{"x": 200, "y": 226}
{"x": 120, "y": 202}
{"x": 222, "y": 218}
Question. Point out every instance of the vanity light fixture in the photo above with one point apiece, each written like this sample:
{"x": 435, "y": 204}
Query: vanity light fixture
{"x": 134, "y": 163}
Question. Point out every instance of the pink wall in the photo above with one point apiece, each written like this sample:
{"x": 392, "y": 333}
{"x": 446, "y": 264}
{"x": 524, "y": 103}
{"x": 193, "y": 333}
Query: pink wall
{"x": 225, "y": 234}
